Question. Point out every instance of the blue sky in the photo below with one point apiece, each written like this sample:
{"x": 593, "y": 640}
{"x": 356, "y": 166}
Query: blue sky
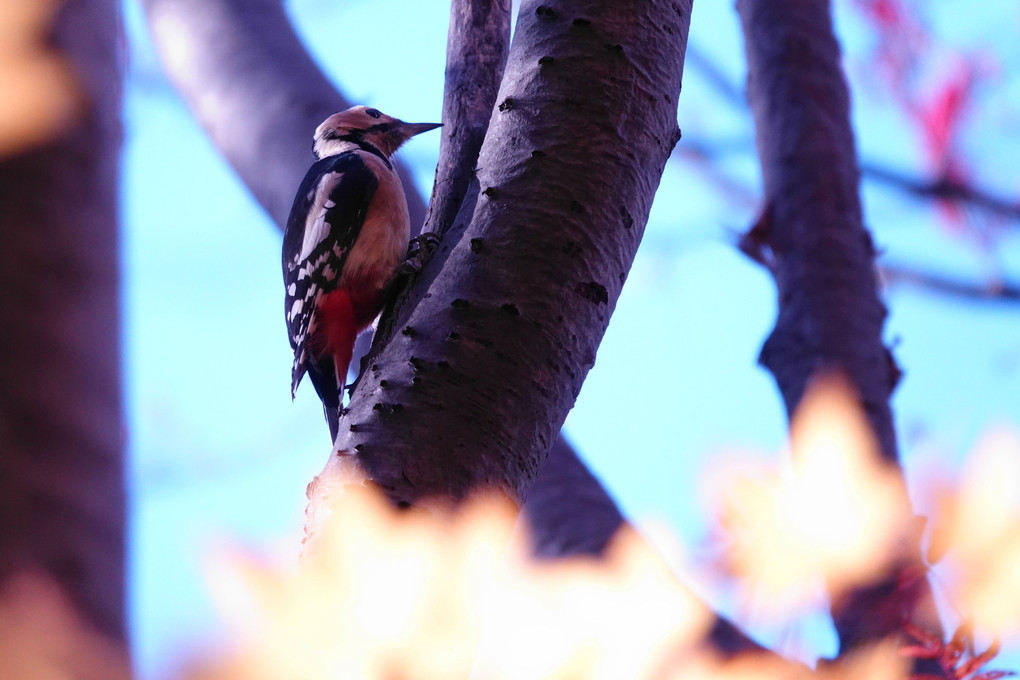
{"x": 219, "y": 450}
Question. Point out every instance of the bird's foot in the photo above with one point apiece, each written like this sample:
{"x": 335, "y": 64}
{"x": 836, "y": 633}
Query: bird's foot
{"x": 426, "y": 242}
{"x": 408, "y": 268}
{"x": 419, "y": 251}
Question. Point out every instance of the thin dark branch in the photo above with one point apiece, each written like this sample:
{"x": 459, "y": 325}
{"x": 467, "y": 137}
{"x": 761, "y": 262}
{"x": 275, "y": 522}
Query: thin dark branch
{"x": 477, "y": 45}
{"x": 942, "y": 189}
{"x": 939, "y": 188}
{"x": 992, "y": 292}
{"x": 703, "y": 154}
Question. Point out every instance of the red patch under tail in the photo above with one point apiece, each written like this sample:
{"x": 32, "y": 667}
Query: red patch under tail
{"x": 341, "y": 315}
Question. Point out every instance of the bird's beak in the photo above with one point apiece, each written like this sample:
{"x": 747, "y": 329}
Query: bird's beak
{"x": 412, "y": 129}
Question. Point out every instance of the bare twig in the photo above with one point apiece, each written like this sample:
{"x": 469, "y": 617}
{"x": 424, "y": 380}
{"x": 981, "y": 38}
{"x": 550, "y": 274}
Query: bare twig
{"x": 939, "y": 188}
{"x": 995, "y": 291}
{"x": 943, "y": 189}
{"x": 720, "y": 82}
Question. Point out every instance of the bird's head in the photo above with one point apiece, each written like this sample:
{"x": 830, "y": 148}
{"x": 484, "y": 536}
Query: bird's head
{"x": 363, "y": 125}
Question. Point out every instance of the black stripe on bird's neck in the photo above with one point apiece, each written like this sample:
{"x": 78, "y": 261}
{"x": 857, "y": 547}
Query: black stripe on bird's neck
{"x": 357, "y": 137}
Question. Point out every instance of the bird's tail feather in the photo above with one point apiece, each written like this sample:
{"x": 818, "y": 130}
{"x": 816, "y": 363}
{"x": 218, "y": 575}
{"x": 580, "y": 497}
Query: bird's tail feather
{"x": 333, "y": 420}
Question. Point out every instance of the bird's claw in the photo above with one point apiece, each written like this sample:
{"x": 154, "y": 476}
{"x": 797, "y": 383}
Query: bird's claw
{"x": 419, "y": 252}
{"x": 409, "y": 267}
{"x": 422, "y": 246}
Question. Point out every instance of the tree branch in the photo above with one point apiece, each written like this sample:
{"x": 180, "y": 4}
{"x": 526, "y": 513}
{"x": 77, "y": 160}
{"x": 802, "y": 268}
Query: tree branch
{"x": 252, "y": 85}
{"x": 61, "y": 423}
{"x": 568, "y": 511}
{"x": 943, "y": 189}
{"x": 993, "y": 291}
{"x": 477, "y": 47}
{"x": 830, "y": 315}
{"x": 474, "y": 386}
{"x": 823, "y": 256}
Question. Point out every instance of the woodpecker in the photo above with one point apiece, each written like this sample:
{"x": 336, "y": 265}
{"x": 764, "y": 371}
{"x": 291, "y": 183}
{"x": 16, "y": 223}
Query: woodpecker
{"x": 346, "y": 235}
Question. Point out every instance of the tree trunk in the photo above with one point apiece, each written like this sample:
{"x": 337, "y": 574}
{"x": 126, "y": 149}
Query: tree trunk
{"x": 492, "y": 346}
{"x": 257, "y": 35}
{"x": 568, "y": 511}
{"x": 61, "y": 427}
{"x": 813, "y": 239}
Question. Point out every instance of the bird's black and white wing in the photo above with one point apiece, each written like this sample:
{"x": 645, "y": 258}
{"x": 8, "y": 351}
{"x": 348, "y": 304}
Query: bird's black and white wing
{"x": 324, "y": 223}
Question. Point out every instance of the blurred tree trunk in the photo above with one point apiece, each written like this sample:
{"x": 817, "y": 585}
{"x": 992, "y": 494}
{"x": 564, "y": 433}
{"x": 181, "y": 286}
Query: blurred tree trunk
{"x": 61, "y": 428}
{"x": 812, "y": 238}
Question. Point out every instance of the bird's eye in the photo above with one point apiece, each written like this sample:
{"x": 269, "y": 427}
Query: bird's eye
{"x": 373, "y": 112}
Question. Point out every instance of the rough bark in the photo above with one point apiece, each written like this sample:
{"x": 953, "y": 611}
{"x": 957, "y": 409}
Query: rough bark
{"x": 252, "y": 85}
{"x": 478, "y": 378}
{"x": 814, "y": 241}
{"x": 61, "y": 427}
